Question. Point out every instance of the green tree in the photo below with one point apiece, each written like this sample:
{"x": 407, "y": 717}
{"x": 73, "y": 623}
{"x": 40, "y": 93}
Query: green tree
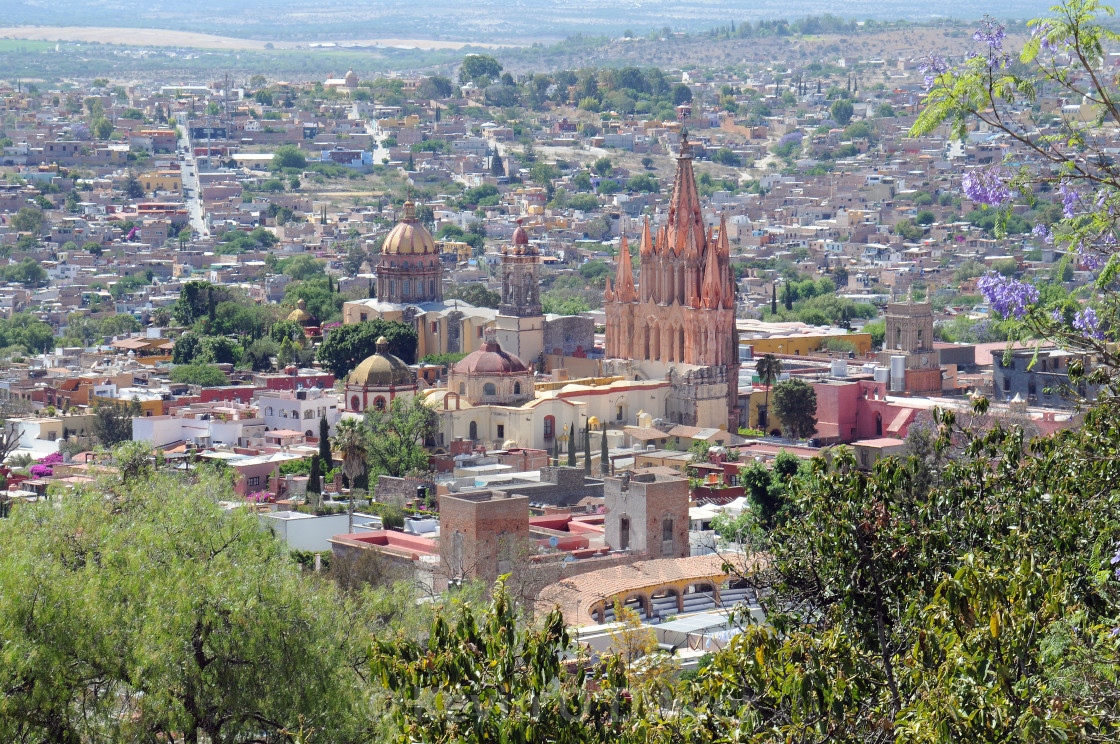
{"x": 112, "y": 422}
{"x": 203, "y": 375}
{"x": 795, "y": 404}
{"x": 768, "y": 369}
{"x": 288, "y": 156}
{"x": 27, "y": 219}
{"x": 352, "y": 441}
{"x": 508, "y": 681}
{"x": 474, "y": 293}
{"x": 169, "y": 615}
{"x": 842, "y": 111}
{"x": 325, "y": 443}
{"x": 346, "y": 346}
{"x": 302, "y": 267}
{"x": 314, "y": 482}
{"x": 187, "y": 347}
{"x": 396, "y": 437}
{"x": 475, "y": 67}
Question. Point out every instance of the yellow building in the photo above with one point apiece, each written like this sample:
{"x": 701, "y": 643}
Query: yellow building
{"x": 462, "y": 251}
{"x": 166, "y": 180}
{"x": 805, "y": 344}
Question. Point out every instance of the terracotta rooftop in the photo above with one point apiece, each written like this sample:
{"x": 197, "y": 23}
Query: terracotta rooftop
{"x": 577, "y": 595}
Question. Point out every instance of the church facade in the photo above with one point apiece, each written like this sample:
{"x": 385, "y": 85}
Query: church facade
{"x": 678, "y": 318}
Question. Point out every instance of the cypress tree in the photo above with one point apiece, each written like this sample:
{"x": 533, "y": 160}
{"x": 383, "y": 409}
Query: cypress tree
{"x": 774, "y": 298}
{"x": 313, "y": 480}
{"x": 555, "y": 450}
{"x": 587, "y": 448}
{"x": 604, "y": 456}
{"x": 325, "y": 443}
{"x": 572, "y": 446}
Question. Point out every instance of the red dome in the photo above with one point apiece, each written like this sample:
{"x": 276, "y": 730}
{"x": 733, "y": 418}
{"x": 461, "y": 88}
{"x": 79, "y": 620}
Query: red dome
{"x": 490, "y": 360}
{"x": 520, "y": 236}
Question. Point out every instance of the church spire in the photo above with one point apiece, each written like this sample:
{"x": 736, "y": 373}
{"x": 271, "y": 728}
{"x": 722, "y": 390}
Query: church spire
{"x": 646, "y": 247}
{"x": 624, "y": 278}
{"x": 685, "y": 222}
{"x": 713, "y": 289}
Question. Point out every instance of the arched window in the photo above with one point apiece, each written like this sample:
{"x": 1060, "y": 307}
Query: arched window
{"x": 878, "y": 425}
{"x": 354, "y": 403}
{"x": 431, "y": 286}
{"x": 379, "y": 403}
{"x": 549, "y": 427}
{"x": 898, "y": 338}
{"x": 489, "y": 389}
{"x": 268, "y": 411}
{"x": 517, "y": 388}
{"x": 473, "y": 431}
{"x": 308, "y": 433}
{"x": 618, "y": 414}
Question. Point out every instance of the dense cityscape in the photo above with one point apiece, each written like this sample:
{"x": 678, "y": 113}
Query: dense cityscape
{"x": 480, "y": 402}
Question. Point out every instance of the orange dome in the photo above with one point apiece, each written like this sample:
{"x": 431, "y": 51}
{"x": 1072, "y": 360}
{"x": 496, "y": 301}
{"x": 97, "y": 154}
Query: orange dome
{"x": 409, "y": 237}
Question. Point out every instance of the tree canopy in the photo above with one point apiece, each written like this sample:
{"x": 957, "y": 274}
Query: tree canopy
{"x": 347, "y": 345}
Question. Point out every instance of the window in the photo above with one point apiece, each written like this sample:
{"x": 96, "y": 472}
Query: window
{"x": 473, "y": 431}
{"x": 404, "y": 288}
{"x": 354, "y": 403}
{"x": 268, "y": 411}
{"x": 489, "y": 389}
{"x": 480, "y": 331}
{"x": 501, "y": 431}
{"x": 549, "y": 427}
{"x": 255, "y": 480}
{"x": 379, "y": 403}
{"x": 624, "y": 533}
{"x": 618, "y": 416}
{"x": 462, "y": 388}
{"x": 435, "y": 327}
{"x": 1006, "y": 384}
{"x": 517, "y": 388}
{"x": 667, "y": 529}
{"x": 309, "y": 414}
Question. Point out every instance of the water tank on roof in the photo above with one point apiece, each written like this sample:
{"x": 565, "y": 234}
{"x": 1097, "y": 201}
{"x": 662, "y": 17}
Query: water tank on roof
{"x": 839, "y": 367}
{"x": 898, "y": 374}
{"x": 882, "y": 374}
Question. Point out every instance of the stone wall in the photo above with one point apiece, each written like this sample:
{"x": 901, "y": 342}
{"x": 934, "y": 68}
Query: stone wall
{"x": 390, "y": 490}
{"x": 645, "y": 501}
{"x": 570, "y": 334}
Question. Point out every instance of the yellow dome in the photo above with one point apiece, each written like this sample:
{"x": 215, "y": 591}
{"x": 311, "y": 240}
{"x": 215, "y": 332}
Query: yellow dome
{"x": 382, "y": 369}
{"x": 593, "y": 423}
{"x": 300, "y": 314}
{"x": 409, "y": 237}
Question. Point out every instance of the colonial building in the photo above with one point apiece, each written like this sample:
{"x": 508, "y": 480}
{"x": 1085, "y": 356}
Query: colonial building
{"x": 377, "y": 380}
{"x": 908, "y": 348}
{"x": 491, "y": 376}
{"x": 409, "y": 270}
{"x": 520, "y": 322}
{"x": 679, "y": 319}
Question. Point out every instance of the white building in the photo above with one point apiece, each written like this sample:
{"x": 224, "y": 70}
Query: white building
{"x": 299, "y": 410}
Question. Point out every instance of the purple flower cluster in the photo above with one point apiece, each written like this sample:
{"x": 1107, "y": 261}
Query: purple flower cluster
{"x": 791, "y": 137}
{"x": 1043, "y": 33}
{"x": 1008, "y": 297}
{"x": 932, "y": 67}
{"x": 1042, "y": 231}
{"x": 986, "y": 186}
{"x": 1071, "y": 198}
{"x": 991, "y": 33}
{"x": 1086, "y": 321}
{"x": 1115, "y": 560}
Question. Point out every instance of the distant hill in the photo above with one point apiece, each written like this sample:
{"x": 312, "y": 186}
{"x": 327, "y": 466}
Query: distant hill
{"x": 473, "y": 20}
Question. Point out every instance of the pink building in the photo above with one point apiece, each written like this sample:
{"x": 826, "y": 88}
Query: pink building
{"x": 849, "y": 410}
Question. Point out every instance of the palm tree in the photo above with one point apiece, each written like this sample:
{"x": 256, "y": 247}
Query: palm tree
{"x": 350, "y": 440}
{"x": 769, "y": 369}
